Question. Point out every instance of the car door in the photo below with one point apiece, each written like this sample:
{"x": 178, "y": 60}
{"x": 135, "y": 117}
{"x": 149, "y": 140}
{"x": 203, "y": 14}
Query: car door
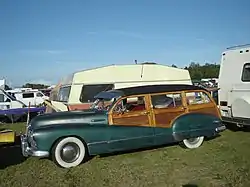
{"x": 165, "y": 107}
{"x": 130, "y": 124}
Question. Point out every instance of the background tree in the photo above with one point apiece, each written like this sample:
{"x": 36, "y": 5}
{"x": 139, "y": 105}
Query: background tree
{"x": 174, "y": 66}
{"x": 35, "y": 86}
{"x": 197, "y": 71}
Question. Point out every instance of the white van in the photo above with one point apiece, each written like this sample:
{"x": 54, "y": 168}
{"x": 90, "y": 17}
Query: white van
{"x": 34, "y": 97}
{"x": 77, "y": 91}
{"x": 234, "y": 85}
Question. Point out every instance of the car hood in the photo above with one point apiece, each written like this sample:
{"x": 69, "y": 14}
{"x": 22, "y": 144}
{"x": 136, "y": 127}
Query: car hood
{"x": 82, "y": 117}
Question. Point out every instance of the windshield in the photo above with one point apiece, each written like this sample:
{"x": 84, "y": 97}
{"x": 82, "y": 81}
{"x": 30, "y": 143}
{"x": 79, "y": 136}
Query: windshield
{"x": 105, "y": 99}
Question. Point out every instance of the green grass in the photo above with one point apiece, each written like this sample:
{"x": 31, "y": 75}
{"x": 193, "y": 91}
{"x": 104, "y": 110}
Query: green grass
{"x": 224, "y": 161}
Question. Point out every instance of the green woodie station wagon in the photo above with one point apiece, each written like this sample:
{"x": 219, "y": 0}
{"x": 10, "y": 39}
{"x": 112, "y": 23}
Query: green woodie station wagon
{"x": 125, "y": 119}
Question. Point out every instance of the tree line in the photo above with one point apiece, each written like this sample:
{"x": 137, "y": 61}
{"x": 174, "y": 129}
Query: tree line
{"x": 198, "y": 71}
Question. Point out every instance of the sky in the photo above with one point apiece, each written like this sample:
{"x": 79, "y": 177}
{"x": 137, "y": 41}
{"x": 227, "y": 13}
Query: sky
{"x": 43, "y": 41}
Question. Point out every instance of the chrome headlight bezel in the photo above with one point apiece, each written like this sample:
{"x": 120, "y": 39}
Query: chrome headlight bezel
{"x": 30, "y": 137}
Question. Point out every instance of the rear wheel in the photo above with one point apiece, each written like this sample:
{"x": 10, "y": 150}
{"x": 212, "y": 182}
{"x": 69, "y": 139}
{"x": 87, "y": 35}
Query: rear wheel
{"x": 193, "y": 143}
{"x": 69, "y": 152}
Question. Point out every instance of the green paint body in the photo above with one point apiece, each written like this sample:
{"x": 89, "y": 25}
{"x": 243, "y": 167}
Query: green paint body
{"x": 92, "y": 127}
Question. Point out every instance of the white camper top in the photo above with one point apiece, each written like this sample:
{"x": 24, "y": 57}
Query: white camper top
{"x": 129, "y": 74}
{"x": 233, "y": 62}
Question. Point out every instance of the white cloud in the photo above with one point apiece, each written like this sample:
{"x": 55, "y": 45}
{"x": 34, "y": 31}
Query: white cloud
{"x": 56, "y": 51}
{"x": 41, "y": 52}
{"x": 126, "y": 33}
{"x": 119, "y": 33}
{"x": 41, "y": 81}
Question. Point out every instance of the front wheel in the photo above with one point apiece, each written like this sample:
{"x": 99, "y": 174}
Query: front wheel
{"x": 69, "y": 152}
{"x": 193, "y": 143}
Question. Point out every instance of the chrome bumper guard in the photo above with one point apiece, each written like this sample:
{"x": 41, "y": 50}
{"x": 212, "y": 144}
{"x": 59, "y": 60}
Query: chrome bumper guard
{"x": 29, "y": 151}
{"x": 220, "y": 128}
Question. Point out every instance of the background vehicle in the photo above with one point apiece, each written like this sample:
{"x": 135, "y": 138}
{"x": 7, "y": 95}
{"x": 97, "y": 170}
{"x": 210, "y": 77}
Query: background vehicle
{"x": 31, "y": 97}
{"x": 234, "y": 85}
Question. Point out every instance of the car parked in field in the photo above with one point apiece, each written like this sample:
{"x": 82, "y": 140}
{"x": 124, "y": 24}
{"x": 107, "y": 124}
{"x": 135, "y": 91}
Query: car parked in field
{"x": 125, "y": 119}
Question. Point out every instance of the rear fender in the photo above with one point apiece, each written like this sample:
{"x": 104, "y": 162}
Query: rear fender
{"x": 194, "y": 125}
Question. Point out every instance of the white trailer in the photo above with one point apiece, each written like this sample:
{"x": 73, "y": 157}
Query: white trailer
{"x": 234, "y": 85}
{"x": 77, "y": 91}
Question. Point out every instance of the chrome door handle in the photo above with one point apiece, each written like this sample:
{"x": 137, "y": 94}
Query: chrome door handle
{"x": 145, "y": 112}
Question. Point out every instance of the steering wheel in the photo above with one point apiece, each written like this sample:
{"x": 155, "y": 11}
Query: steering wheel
{"x": 118, "y": 108}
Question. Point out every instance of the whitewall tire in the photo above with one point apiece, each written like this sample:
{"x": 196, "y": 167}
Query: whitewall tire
{"x": 69, "y": 152}
{"x": 193, "y": 143}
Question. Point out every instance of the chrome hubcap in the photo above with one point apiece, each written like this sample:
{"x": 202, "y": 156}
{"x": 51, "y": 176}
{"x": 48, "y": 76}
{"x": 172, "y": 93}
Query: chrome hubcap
{"x": 70, "y": 152}
{"x": 193, "y": 140}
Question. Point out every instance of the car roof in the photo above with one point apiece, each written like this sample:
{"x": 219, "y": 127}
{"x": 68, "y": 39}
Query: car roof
{"x": 148, "y": 89}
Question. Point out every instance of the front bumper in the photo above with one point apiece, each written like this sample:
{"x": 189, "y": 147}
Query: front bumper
{"x": 29, "y": 151}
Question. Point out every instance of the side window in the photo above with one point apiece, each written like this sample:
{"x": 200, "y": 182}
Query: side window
{"x": 245, "y": 77}
{"x": 130, "y": 104}
{"x": 4, "y": 98}
{"x": 1, "y": 98}
{"x": 89, "y": 91}
{"x": 28, "y": 95}
{"x": 197, "y": 98}
{"x": 166, "y": 100}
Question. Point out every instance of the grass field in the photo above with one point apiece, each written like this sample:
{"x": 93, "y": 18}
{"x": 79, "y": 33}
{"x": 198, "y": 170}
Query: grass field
{"x": 224, "y": 161}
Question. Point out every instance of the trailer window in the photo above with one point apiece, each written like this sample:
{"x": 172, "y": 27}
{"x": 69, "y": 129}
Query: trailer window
{"x": 89, "y": 91}
{"x": 246, "y": 73}
{"x": 63, "y": 94}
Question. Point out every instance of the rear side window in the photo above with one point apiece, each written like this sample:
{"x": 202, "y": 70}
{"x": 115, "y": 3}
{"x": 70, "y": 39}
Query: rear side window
{"x": 28, "y": 95}
{"x": 166, "y": 100}
{"x": 245, "y": 77}
{"x": 197, "y": 98}
{"x": 89, "y": 91}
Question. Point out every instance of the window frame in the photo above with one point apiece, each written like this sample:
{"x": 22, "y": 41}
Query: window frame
{"x": 242, "y": 73}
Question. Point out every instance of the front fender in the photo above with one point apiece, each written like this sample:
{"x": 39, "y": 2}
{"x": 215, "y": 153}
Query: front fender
{"x": 194, "y": 125}
{"x": 45, "y": 138}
